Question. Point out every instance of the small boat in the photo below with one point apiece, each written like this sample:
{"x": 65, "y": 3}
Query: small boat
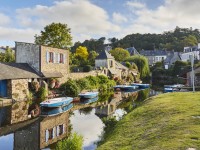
{"x": 125, "y": 87}
{"x": 88, "y": 94}
{"x": 170, "y": 89}
{"x": 88, "y": 101}
{"x": 57, "y": 102}
{"x": 174, "y": 86}
{"x": 47, "y": 111}
{"x": 140, "y": 85}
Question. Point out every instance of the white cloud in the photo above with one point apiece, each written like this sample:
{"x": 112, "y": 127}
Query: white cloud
{"x": 119, "y": 18}
{"x": 83, "y": 17}
{"x": 4, "y": 19}
{"x": 135, "y": 5}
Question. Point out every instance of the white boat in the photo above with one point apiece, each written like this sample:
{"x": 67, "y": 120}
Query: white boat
{"x": 88, "y": 94}
{"x": 57, "y": 102}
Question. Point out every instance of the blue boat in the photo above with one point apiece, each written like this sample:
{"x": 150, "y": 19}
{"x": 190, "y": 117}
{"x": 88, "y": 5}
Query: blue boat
{"x": 141, "y": 85}
{"x": 47, "y": 111}
{"x": 88, "y": 94}
{"x": 88, "y": 101}
{"x": 125, "y": 87}
{"x": 57, "y": 102}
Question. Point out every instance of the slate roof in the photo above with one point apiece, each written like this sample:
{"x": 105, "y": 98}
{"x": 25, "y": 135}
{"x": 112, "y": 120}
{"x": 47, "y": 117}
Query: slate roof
{"x": 132, "y": 51}
{"x": 153, "y": 52}
{"x": 104, "y": 55}
{"x": 17, "y": 71}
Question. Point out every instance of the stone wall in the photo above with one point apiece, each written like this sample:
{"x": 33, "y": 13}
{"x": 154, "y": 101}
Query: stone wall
{"x": 53, "y": 67}
{"x": 28, "y": 53}
{"x": 19, "y": 112}
{"x": 18, "y": 89}
{"x": 50, "y": 123}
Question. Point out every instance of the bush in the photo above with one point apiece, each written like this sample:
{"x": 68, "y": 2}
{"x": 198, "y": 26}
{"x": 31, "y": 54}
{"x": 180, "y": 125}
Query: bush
{"x": 102, "y": 79}
{"x": 70, "y": 88}
{"x": 83, "y": 83}
{"x": 42, "y": 94}
{"x": 87, "y": 68}
{"x": 74, "y": 142}
{"x": 94, "y": 81}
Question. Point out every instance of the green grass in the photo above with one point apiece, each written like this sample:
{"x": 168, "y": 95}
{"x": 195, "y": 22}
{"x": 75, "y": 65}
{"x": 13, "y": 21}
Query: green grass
{"x": 164, "y": 122}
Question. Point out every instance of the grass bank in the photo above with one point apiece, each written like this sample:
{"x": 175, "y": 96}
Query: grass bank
{"x": 168, "y": 121}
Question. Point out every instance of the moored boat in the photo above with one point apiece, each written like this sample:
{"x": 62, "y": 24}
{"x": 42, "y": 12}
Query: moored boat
{"x": 125, "y": 87}
{"x": 57, "y": 102}
{"x": 47, "y": 111}
{"x": 88, "y": 101}
{"x": 88, "y": 94}
{"x": 141, "y": 85}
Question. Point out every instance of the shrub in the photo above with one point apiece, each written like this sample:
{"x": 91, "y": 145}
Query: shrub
{"x": 42, "y": 94}
{"x": 74, "y": 142}
{"x": 94, "y": 81}
{"x": 102, "y": 79}
{"x": 70, "y": 88}
{"x": 87, "y": 68}
{"x": 83, "y": 83}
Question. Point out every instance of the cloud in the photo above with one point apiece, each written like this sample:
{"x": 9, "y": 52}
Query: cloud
{"x": 135, "y": 5}
{"x": 83, "y": 17}
{"x": 4, "y": 19}
{"x": 119, "y": 18}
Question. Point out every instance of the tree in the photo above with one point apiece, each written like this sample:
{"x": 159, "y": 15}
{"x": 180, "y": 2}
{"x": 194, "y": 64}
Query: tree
{"x": 82, "y": 52}
{"x": 142, "y": 64}
{"x": 92, "y": 56}
{"x": 56, "y": 35}
{"x": 120, "y": 54}
{"x": 8, "y": 56}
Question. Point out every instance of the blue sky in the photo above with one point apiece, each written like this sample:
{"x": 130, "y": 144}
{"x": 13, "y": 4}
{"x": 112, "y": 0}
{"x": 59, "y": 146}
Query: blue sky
{"x": 20, "y": 20}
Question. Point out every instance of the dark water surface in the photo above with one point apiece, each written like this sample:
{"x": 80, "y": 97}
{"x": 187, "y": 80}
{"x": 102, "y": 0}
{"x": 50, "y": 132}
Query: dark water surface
{"x": 19, "y": 131}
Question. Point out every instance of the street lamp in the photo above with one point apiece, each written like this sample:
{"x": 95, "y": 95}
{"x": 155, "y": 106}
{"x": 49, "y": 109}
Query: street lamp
{"x": 192, "y": 76}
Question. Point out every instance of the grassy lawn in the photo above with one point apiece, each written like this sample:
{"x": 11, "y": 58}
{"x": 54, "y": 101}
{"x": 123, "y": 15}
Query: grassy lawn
{"x": 165, "y": 122}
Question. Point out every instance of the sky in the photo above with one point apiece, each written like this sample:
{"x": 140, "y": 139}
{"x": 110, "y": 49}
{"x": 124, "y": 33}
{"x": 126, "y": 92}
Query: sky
{"x": 21, "y": 20}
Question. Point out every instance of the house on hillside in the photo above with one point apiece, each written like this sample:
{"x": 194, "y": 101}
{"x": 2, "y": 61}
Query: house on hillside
{"x": 154, "y": 56}
{"x": 196, "y": 77}
{"x": 194, "y": 50}
{"x": 132, "y": 51}
{"x": 172, "y": 57}
{"x": 14, "y": 80}
{"x": 47, "y": 61}
{"x": 107, "y": 65}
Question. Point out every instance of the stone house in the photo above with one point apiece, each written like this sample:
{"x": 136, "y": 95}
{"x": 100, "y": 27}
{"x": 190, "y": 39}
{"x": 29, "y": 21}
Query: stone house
{"x": 14, "y": 79}
{"x": 106, "y": 64}
{"x": 196, "y": 77}
{"x": 154, "y": 56}
{"x": 132, "y": 51}
{"x": 172, "y": 57}
{"x": 47, "y": 61}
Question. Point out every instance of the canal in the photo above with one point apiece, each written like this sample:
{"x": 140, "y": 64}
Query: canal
{"x": 19, "y": 131}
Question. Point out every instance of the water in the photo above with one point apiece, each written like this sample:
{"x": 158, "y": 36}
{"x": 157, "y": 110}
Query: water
{"x": 19, "y": 131}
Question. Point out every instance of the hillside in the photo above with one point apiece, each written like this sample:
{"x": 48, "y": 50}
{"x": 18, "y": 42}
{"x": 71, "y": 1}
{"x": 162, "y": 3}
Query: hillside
{"x": 168, "y": 121}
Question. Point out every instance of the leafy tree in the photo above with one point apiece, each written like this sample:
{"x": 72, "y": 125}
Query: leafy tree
{"x": 82, "y": 52}
{"x": 56, "y": 35}
{"x": 179, "y": 67}
{"x": 142, "y": 64}
{"x": 91, "y": 57}
{"x": 120, "y": 54}
{"x": 9, "y": 56}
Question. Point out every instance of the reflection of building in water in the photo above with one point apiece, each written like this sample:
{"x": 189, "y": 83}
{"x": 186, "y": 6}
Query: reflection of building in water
{"x": 108, "y": 108}
{"x": 15, "y": 113}
{"x": 42, "y": 133}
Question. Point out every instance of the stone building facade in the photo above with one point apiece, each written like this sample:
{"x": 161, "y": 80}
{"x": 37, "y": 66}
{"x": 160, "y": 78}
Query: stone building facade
{"x": 49, "y": 62}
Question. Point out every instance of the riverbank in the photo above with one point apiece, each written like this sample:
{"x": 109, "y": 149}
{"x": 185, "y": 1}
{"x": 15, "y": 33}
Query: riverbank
{"x": 167, "y": 121}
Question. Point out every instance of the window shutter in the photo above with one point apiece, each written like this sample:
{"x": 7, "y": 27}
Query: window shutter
{"x": 54, "y": 57}
{"x": 46, "y": 135}
{"x": 54, "y": 132}
{"x": 63, "y": 128}
{"x": 58, "y": 57}
{"x": 57, "y": 131}
{"x": 64, "y": 59}
{"x": 47, "y": 57}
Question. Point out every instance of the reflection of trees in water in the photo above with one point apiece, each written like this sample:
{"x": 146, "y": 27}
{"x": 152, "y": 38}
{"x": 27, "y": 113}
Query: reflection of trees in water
{"x": 86, "y": 111}
{"x": 105, "y": 96}
{"x": 142, "y": 95}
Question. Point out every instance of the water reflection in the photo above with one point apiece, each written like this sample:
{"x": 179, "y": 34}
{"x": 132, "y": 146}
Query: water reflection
{"x": 23, "y": 132}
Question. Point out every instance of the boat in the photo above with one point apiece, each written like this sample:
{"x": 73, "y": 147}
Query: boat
{"x": 88, "y": 94}
{"x": 52, "y": 111}
{"x": 174, "y": 86}
{"x": 125, "y": 87}
{"x": 57, "y": 102}
{"x": 88, "y": 101}
{"x": 141, "y": 85}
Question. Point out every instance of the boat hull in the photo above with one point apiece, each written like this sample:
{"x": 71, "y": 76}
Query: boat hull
{"x": 57, "y": 102}
{"x": 88, "y": 95}
{"x": 141, "y": 86}
{"x": 88, "y": 101}
{"x": 125, "y": 87}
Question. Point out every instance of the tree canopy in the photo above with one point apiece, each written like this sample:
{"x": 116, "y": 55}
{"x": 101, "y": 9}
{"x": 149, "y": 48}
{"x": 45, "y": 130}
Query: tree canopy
{"x": 82, "y": 52}
{"x": 8, "y": 56}
{"x": 120, "y": 54}
{"x": 56, "y": 35}
{"x": 142, "y": 64}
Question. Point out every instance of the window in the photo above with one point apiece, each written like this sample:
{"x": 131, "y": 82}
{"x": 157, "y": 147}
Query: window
{"x": 51, "y": 57}
{"x": 50, "y": 134}
{"x": 61, "y": 58}
{"x": 61, "y": 129}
